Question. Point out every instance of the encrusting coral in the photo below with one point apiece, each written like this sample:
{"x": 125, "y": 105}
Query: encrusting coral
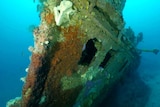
{"x": 76, "y": 60}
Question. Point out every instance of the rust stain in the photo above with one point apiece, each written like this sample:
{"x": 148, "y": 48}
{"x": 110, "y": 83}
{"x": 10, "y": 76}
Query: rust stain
{"x": 64, "y": 63}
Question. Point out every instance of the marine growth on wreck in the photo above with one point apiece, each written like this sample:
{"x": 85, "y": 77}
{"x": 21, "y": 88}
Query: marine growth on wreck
{"x": 81, "y": 49}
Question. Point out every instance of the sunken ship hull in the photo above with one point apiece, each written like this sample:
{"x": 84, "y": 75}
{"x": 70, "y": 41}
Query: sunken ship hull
{"x": 81, "y": 50}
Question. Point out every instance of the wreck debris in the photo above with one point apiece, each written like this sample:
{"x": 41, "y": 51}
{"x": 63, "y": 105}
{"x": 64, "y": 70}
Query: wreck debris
{"x": 155, "y": 51}
{"x": 76, "y": 60}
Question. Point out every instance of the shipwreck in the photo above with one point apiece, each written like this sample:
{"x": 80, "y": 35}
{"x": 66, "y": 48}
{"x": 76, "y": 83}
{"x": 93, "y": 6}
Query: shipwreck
{"x": 81, "y": 50}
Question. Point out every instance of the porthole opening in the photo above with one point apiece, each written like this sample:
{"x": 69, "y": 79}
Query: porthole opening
{"x": 89, "y": 51}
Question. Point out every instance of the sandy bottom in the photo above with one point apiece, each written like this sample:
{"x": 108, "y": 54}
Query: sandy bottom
{"x": 137, "y": 89}
{"x": 152, "y": 79}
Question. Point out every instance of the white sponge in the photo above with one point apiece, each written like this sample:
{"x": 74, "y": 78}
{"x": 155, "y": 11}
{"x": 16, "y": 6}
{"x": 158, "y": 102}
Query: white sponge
{"x": 63, "y": 11}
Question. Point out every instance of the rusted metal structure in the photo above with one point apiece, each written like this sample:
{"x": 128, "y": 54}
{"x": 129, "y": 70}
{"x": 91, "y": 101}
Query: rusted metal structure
{"x": 81, "y": 49}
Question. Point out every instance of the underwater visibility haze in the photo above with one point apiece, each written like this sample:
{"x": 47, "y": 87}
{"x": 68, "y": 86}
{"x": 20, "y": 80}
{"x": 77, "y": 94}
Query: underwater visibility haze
{"x": 15, "y": 35}
{"x": 19, "y": 17}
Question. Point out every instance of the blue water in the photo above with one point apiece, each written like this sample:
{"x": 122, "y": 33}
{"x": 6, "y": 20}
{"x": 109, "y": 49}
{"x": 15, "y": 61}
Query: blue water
{"x": 15, "y": 36}
{"x": 144, "y": 16}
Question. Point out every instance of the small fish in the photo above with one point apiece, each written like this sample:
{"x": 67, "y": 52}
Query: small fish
{"x": 39, "y": 8}
{"x": 31, "y": 28}
{"x": 22, "y": 53}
